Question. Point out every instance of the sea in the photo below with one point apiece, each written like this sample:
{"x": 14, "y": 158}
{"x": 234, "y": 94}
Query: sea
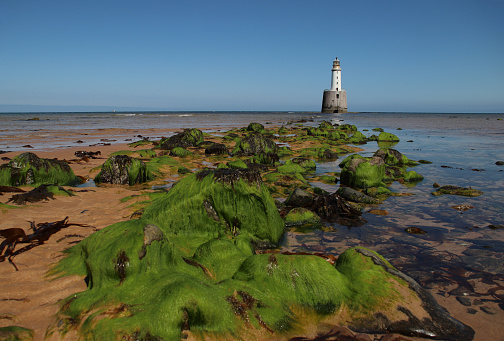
{"x": 458, "y": 246}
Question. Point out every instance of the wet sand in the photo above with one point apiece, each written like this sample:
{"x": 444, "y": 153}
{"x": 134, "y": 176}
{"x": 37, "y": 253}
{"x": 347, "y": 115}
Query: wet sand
{"x": 29, "y": 299}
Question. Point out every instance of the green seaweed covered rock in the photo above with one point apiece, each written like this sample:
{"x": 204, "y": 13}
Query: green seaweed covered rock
{"x": 255, "y": 127}
{"x": 123, "y": 170}
{"x": 29, "y": 169}
{"x": 189, "y": 265}
{"x": 188, "y": 138}
{"x": 255, "y": 143}
{"x": 361, "y": 172}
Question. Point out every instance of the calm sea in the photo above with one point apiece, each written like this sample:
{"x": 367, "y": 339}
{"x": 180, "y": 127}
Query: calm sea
{"x": 463, "y": 149}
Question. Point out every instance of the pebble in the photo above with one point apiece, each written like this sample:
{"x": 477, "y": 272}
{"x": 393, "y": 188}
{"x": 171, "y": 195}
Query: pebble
{"x": 464, "y": 300}
{"x": 488, "y": 310}
{"x": 472, "y": 311}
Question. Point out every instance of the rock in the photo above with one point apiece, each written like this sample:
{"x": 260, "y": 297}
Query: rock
{"x": 237, "y": 164}
{"x": 265, "y": 158}
{"x": 180, "y": 152}
{"x": 496, "y": 227}
{"x": 379, "y": 212}
{"x": 254, "y": 144}
{"x": 454, "y": 190}
{"x": 500, "y": 163}
{"x": 355, "y": 196}
{"x": 304, "y": 162}
{"x": 299, "y": 198}
{"x": 360, "y": 172}
{"x": 188, "y": 138}
{"x": 462, "y": 208}
{"x": 326, "y": 125}
{"x": 29, "y": 169}
{"x": 414, "y": 230}
{"x": 358, "y": 138}
{"x": 217, "y": 149}
{"x": 488, "y": 310}
{"x": 258, "y": 127}
{"x": 464, "y": 300}
{"x": 301, "y": 217}
{"x": 202, "y": 272}
{"x": 387, "y": 137}
{"x": 123, "y": 170}
{"x": 333, "y": 208}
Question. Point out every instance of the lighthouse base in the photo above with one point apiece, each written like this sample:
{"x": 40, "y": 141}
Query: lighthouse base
{"x": 334, "y": 101}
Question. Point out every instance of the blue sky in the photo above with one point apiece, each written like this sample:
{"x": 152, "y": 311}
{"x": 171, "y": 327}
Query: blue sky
{"x": 396, "y": 55}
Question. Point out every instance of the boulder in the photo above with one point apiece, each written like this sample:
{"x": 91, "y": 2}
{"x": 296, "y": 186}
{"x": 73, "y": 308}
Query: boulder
{"x": 217, "y": 149}
{"x": 123, "y": 170}
{"x": 300, "y": 198}
{"x": 258, "y": 127}
{"x": 29, "y": 169}
{"x": 301, "y": 217}
{"x": 254, "y": 144}
{"x": 188, "y": 138}
{"x": 361, "y": 172}
{"x": 355, "y": 196}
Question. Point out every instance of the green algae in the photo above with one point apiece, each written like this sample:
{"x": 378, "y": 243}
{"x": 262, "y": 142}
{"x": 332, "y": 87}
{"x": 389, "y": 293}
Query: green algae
{"x": 258, "y": 127}
{"x": 15, "y": 333}
{"x": 29, "y": 169}
{"x": 180, "y": 152}
{"x": 189, "y": 263}
{"x": 361, "y": 172}
{"x": 183, "y": 170}
{"x": 301, "y": 217}
{"x": 387, "y": 137}
{"x": 454, "y": 190}
{"x": 358, "y": 138}
{"x": 290, "y": 168}
{"x": 237, "y": 164}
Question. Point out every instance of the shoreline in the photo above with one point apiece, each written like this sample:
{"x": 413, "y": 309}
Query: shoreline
{"x": 32, "y": 299}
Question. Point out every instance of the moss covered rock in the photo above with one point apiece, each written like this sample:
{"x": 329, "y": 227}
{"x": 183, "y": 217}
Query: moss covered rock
{"x": 301, "y": 217}
{"x": 180, "y": 152}
{"x": 387, "y": 137}
{"x": 455, "y": 190}
{"x": 189, "y": 264}
{"x": 254, "y": 144}
{"x": 361, "y": 172}
{"x": 258, "y": 127}
{"x": 123, "y": 170}
{"x": 14, "y": 333}
{"x": 29, "y": 169}
{"x": 188, "y": 138}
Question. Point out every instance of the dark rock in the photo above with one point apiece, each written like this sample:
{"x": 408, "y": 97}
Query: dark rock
{"x": 188, "y": 138}
{"x": 496, "y": 227}
{"x": 329, "y": 155}
{"x": 255, "y": 144}
{"x": 500, "y": 163}
{"x": 414, "y": 230}
{"x": 355, "y": 196}
{"x": 488, "y": 310}
{"x": 299, "y": 198}
{"x": 464, "y": 300}
{"x": 217, "y": 148}
{"x": 472, "y": 311}
{"x": 333, "y": 208}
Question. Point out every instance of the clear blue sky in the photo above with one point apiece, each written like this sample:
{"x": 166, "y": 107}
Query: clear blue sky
{"x": 396, "y": 55}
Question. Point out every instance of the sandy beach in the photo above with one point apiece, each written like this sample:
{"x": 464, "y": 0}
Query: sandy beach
{"x": 29, "y": 299}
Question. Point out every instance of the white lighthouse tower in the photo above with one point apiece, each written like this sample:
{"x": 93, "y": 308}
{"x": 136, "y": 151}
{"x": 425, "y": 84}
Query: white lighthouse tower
{"x": 334, "y": 99}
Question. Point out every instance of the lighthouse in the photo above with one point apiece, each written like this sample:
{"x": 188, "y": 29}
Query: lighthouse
{"x": 335, "y": 99}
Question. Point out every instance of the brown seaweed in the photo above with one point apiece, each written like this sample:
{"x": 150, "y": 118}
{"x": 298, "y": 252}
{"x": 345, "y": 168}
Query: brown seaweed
{"x": 41, "y": 233}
